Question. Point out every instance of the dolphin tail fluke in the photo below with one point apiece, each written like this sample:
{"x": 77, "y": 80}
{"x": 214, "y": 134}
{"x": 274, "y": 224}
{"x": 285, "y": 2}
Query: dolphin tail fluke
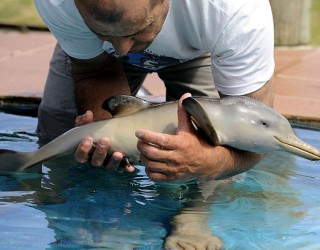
{"x": 12, "y": 161}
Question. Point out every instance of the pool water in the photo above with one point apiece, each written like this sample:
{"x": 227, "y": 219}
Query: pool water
{"x": 73, "y": 206}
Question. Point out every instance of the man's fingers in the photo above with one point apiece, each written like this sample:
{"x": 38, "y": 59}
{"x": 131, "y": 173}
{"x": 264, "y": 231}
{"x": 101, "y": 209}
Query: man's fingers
{"x": 156, "y": 176}
{"x": 158, "y": 171}
{"x": 128, "y": 168}
{"x": 82, "y": 152}
{"x": 100, "y": 152}
{"x": 154, "y": 153}
{"x": 119, "y": 162}
{"x": 114, "y": 161}
{"x": 84, "y": 119}
{"x": 163, "y": 141}
{"x": 96, "y": 155}
{"x": 126, "y": 165}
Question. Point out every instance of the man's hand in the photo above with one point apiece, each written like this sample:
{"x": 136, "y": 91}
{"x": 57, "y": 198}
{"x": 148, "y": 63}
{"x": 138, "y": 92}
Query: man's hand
{"x": 183, "y": 156}
{"x": 83, "y": 152}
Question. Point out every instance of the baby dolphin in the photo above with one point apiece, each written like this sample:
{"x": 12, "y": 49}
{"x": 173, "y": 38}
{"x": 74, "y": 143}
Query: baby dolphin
{"x": 239, "y": 122}
{"x": 247, "y": 124}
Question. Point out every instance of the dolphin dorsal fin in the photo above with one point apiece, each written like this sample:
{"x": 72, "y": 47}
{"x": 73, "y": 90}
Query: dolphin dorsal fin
{"x": 122, "y": 105}
{"x": 200, "y": 118}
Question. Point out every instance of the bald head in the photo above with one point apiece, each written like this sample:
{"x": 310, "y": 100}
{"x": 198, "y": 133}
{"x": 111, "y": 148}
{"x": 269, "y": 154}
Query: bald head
{"x": 110, "y": 11}
{"x": 130, "y": 25}
{"x": 105, "y": 11}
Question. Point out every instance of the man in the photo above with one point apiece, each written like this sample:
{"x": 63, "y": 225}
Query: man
{"x": 196, "y": 46}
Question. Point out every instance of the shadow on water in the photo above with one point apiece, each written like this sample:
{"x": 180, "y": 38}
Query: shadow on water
{"x": 72, "y": 206}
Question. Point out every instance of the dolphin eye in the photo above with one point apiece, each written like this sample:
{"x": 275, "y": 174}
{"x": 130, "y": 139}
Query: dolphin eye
{"x": 265, "y": 124}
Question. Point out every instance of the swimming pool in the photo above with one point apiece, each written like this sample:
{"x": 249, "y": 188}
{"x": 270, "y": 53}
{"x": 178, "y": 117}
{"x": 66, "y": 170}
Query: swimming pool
{"x": 72, "y": 206}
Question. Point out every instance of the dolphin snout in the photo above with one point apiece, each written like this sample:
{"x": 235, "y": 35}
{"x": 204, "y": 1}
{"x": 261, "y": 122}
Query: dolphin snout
{"x": 294, "y": 145}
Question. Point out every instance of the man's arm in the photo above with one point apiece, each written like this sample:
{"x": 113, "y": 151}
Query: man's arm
{"x": 95, "y": 80}
{"x": 187, "y": 156}
{"x": 264, "y": 94}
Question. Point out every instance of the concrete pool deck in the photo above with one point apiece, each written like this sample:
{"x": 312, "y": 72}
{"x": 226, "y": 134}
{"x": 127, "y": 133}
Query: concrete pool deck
{"x": 24, "y": 61}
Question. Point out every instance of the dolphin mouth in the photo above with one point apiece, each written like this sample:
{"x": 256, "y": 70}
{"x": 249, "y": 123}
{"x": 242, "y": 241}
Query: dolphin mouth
{"x": 294, "y": 145}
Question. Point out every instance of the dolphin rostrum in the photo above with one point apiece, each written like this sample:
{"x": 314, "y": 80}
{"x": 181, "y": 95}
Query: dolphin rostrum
{"x": 239, "y": 122}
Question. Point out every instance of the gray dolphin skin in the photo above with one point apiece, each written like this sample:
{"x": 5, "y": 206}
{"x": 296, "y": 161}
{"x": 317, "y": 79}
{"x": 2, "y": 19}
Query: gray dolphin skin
{"x": 238, "y": 122}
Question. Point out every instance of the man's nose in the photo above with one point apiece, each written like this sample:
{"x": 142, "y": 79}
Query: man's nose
{"x": 122, "y": 45}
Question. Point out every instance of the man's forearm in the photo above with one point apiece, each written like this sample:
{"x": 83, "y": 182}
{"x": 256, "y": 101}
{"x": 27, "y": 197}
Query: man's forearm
{"x": 91, "y": 93}
{"x": 233, "y": 161}
{"x": 95, "y": 80}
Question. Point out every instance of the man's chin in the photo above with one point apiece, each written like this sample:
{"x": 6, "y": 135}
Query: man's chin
{"x": 139, "y": 49}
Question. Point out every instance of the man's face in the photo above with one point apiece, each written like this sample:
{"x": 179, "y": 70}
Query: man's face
{"x": 137, "y": 28}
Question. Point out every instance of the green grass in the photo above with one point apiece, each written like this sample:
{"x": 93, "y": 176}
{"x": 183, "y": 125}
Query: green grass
{"x": 23, "y": 13}
{"x": 315, "y": 23}
{"x": 19, "y": 12}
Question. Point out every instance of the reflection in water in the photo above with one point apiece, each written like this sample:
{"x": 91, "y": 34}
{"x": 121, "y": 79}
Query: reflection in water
{"x": 23, "y": 227}
{"x": 275, "y": 205}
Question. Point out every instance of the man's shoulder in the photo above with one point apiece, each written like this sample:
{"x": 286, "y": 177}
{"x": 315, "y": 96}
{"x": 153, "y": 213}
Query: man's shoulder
{"x": 226, "y": 6}
{"x": 57, "y": 8}
{"x": 66, "y": 24}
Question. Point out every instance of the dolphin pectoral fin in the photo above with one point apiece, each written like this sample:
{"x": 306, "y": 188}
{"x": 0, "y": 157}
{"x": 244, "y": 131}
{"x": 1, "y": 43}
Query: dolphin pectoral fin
{"x": 200, "y": 118}
{"x": 122, "y": 105}
{"x": 294, "y": 145}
